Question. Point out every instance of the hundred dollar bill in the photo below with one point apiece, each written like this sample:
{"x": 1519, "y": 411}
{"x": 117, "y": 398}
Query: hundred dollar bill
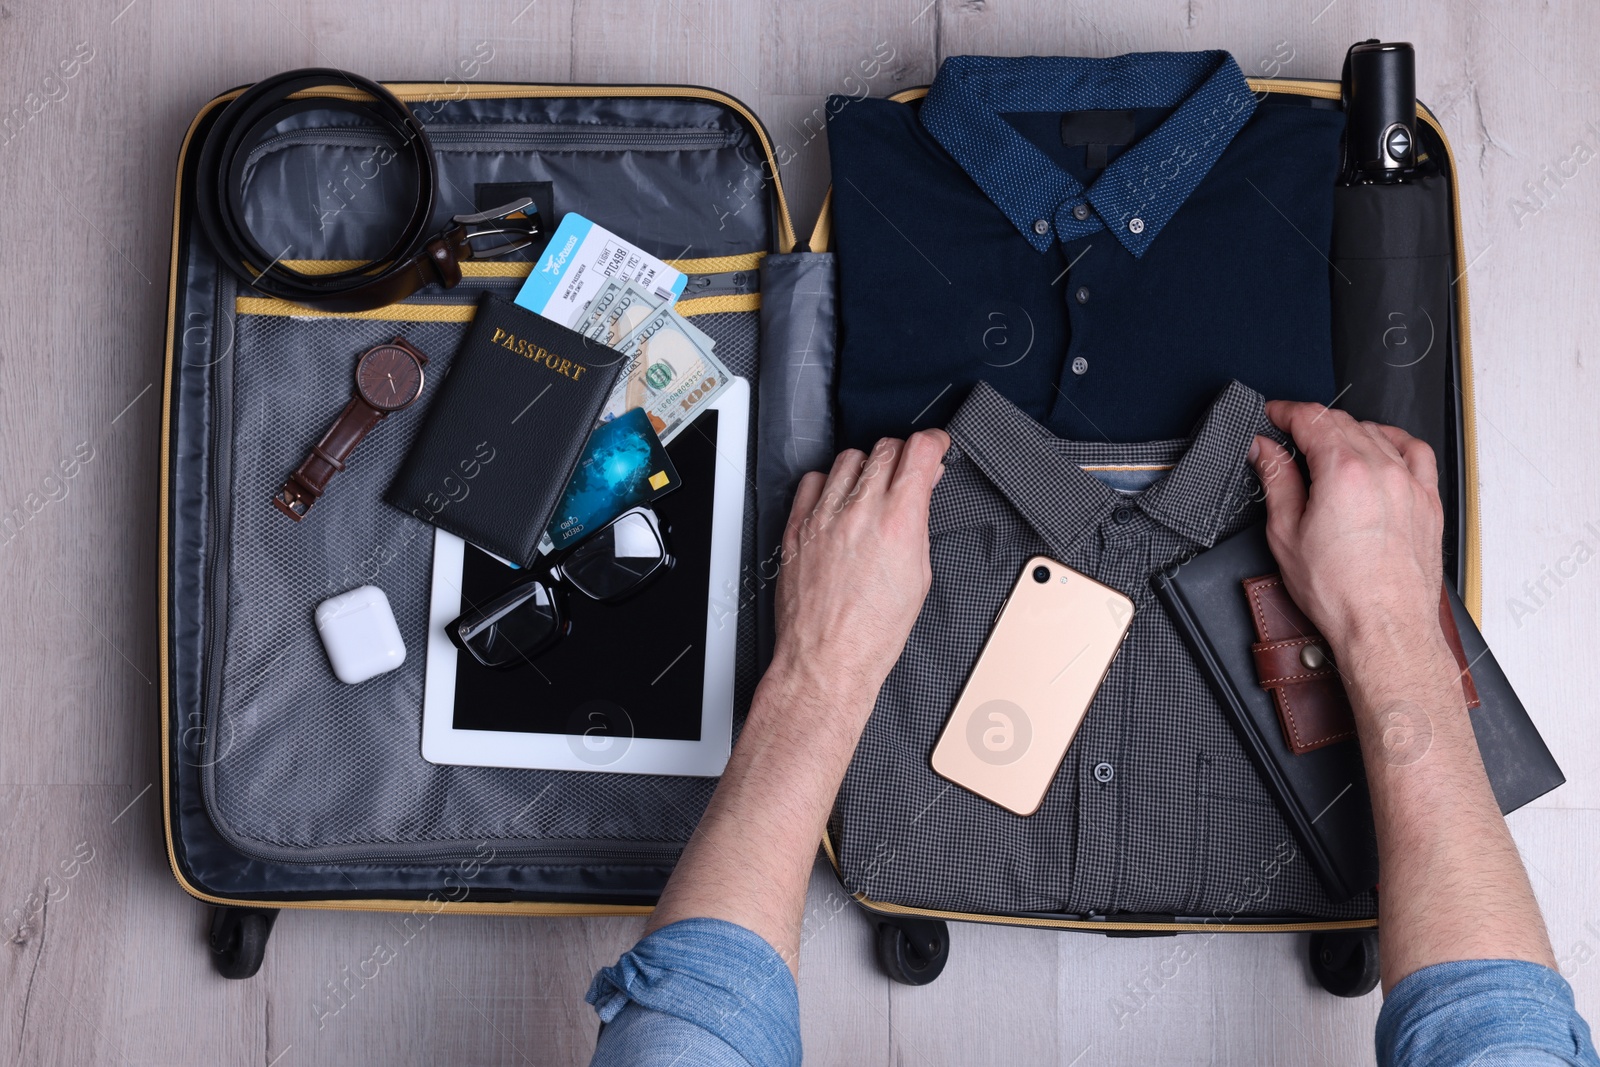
{"x": 676, "y": 373}
{"x": 620, "y": 307}
{"x": 592, "y": 310}
{"x": 618, "y": 310}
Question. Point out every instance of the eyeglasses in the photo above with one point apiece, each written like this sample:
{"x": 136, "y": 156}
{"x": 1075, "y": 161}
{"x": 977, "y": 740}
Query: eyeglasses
{"x": 609, "y": 565}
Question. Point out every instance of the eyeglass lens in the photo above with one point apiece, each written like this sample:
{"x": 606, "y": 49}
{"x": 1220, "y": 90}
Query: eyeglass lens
{"x": 515, "y": 629}
{"x": 617, "y": 558}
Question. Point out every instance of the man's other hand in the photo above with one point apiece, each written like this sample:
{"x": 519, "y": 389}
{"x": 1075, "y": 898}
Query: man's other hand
{"x": 1360, "y": 550}
{"x": 855, "y": 565}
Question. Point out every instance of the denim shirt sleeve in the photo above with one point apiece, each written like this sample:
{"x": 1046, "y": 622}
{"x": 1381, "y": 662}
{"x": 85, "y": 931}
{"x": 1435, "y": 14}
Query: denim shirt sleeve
{"x": 700, "y": 991}
{"x": 1484, "y": 1013}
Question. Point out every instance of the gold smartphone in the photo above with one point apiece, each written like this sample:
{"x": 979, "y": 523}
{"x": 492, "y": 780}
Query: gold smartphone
{"x": 1051, "y": 646}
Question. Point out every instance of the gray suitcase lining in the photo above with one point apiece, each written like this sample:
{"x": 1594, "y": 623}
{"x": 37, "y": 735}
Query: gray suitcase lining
{"x": 293, "y": 765}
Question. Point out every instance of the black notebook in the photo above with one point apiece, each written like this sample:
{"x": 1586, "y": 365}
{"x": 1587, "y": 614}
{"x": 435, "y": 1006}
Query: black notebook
{"x": 1323, "y": 793}
{"x": 506, "y": 430}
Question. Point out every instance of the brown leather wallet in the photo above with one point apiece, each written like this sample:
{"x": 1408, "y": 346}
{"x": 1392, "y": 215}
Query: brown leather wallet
{"x": 1296, "y": 665}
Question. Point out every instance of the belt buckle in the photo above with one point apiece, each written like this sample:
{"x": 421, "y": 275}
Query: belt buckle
{"x": 523, "y": 229}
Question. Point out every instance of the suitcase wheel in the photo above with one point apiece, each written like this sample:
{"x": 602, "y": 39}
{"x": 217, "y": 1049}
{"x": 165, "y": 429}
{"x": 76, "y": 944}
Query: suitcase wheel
{"x": 913, "y": 951}
{"x": 239, "y": 939}
{"x": 1346, "y": 961}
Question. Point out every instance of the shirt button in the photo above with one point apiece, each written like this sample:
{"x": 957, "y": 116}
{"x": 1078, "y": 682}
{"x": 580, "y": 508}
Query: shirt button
{"x": 1082, "y": 295}
{"x": 1080, "y": 212}
{"x": 1080, "y": 365}
{"x": 1123, "y": 515}
{"x": 1104, "y": 772}
{"x": 1136, "y": 225}
{"x": 1041, "y": 226}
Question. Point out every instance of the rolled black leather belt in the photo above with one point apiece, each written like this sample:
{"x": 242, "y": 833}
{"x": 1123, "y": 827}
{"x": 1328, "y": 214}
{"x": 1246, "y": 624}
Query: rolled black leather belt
{"x": 414, "y": 260}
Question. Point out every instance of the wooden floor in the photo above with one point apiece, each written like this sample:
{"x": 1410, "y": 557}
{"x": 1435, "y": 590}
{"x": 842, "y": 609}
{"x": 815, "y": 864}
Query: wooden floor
{"x": 103, "y": 959}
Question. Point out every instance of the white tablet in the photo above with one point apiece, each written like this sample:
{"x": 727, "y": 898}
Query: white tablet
{"x": 644, "y": 686}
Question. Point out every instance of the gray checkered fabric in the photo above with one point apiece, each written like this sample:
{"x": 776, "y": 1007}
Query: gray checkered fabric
{"x": 1156, "y": 808}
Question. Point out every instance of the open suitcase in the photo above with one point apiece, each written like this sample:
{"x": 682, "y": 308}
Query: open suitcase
{"x": 282, "y": 789}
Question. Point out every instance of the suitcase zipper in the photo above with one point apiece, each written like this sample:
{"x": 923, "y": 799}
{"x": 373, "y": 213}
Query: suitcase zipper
{"x": 557, "y": 853}
{"x": 217, "y": 432}
{"x": 725, "y": 283}
{"x": 494, "y": 136}
{"x": 462, "y": 299}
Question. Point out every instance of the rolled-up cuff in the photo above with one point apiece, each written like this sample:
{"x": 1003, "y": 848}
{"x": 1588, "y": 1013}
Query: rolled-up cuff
{"x": 1482, "y": 1012}
{"x": 716, "y": 975}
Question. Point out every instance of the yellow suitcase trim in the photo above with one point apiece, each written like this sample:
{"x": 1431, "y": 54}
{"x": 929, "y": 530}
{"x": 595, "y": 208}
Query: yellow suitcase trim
{"x": 269, "y": 305}
{"x": 406, "y": 91}
{"x": 1219, "y": 926}
{"x": 501, "y": 268}
{"x": 1472, "y": 586}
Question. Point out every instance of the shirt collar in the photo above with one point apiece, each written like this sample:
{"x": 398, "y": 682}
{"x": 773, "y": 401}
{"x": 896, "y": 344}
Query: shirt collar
{"x": 1139, "y": 192}
{"x": 1041, "y": 476}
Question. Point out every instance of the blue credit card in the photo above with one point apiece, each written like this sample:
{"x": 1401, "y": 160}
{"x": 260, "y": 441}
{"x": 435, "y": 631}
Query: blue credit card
{"x": 624, "y": 465}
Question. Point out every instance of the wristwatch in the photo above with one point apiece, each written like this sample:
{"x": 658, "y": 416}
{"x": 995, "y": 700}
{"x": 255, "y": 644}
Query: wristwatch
{"x": 388, "y": 378}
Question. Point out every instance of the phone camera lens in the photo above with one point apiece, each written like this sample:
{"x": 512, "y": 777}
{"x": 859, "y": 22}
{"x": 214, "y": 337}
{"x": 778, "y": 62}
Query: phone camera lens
{"x": 1041, "y": 574}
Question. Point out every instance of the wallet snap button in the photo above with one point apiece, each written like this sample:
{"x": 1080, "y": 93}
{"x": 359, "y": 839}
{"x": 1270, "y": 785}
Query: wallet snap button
{"x": 1104, "y": 772}
{"x": 1313, "y": 657}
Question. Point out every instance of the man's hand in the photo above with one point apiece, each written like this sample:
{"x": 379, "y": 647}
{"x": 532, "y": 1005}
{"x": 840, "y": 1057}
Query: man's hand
{"x": 855, "y": 562}
{"x": 855, "y": 573}
{"x": 1360, "y": 551}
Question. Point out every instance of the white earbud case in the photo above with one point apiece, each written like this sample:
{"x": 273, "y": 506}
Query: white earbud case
{"x": 360, "y": 634}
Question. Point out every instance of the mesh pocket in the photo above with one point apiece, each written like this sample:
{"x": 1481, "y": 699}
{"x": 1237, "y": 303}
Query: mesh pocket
{"x": 301, "y": 766}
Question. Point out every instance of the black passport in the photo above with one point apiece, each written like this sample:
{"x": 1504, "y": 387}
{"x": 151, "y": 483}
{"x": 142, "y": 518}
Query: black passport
{"x": 506, "y": 430}
{"x": 1323, "y": 793}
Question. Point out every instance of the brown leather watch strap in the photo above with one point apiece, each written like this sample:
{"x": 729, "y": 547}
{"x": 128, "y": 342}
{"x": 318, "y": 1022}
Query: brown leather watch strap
{"x": 327, "y": 458}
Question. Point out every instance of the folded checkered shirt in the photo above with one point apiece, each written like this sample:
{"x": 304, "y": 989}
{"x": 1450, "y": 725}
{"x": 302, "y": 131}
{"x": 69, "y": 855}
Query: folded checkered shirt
{"x": 1157, "y": 808}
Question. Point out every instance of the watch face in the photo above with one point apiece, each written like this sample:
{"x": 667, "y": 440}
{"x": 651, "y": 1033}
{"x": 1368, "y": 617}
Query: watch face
{"x": 389, "y": 377}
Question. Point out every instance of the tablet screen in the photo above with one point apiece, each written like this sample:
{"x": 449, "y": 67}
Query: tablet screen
{"x": 636, "y": 668}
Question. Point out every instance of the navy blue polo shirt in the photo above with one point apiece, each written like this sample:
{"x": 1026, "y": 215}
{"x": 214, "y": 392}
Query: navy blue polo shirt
{"x": 1108, "y": 292}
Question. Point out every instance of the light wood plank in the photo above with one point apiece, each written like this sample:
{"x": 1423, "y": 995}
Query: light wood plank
{"x": 1557, "y": 846}
{"x": 844, "y": 998}
{"x": 998, "y": 991}
{"x": 848, "y": 48}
